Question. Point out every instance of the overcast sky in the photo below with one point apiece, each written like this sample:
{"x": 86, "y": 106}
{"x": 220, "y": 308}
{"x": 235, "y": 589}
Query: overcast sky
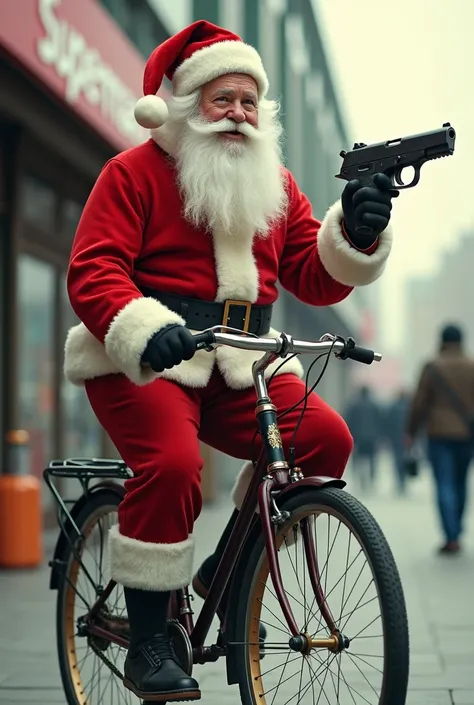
{"x": 403, "y": 68}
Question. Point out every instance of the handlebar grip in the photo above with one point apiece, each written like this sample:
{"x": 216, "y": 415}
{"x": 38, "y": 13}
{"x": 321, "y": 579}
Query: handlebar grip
{"x": 204, "y": 339}
{"x": 359, "y": 354}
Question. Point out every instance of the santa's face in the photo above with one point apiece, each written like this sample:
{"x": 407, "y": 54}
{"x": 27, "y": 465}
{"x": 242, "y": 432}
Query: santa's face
{"x": 226, "y": 143}
{"x": 232, "y": 97}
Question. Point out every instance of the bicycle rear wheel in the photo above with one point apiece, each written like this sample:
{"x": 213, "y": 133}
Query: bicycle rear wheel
{"x": 91, "y": 667}
{"x": 361, "y": 587}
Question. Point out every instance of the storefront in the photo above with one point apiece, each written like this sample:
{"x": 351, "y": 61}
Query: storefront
{"x": 69, "y": 79}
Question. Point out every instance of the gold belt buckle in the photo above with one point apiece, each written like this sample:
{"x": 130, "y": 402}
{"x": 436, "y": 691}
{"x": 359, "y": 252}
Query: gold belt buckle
{"x": 244, "y": 304}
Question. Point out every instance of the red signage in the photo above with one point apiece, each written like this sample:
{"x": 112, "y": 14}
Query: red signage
{"x": 77, "y": 51}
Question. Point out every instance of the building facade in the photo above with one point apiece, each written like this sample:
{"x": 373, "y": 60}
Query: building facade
{"x": 434, "y": 300}
{"x": 70, "y": 73}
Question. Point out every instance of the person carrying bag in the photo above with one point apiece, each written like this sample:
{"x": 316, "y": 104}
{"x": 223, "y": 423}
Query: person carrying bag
{"x": 443, "y": 404}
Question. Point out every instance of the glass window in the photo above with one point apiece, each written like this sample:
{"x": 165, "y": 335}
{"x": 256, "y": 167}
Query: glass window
{"x": 38, "y": 204}
{"x": 70, "y": 215}
{"x": 139, "y": 22}
{"x": 82, "y": 431}
{"x": 36, "y": 289}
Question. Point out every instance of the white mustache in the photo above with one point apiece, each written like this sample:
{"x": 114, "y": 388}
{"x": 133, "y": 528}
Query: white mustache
{"x": 204, "y": 127}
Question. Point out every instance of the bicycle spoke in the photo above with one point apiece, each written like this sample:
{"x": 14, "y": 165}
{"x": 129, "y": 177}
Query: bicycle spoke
{"x": 359, "y": 607}
{"x": 313, "y": 614}
{"x": 295, "y": 571}
{"x": 351, "y": 688}
{"x": 353, "y": 587}
{"x": 94, "y": 681}
{"x": 361, "y": 672}
{"x": 285, "y": 681}
{"x": 310, "y": 669}
{"x": 279, "y": 682}
{"x": 350, "y": 586}
{"x": 366, "y": 662}
{"x": 345, "y": 577}
{"x": 269, "y": 588}
{"x": 371, "y": 636}
{"x": 312, "y": 682}
{"x": 322, "y": 684}
{"x": 363, "y": 630}
{"x": 270, "y": 670}
{"x": 285, "y": 630}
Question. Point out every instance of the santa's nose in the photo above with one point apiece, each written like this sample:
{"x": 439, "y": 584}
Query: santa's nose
{"x": 237, "y": 114}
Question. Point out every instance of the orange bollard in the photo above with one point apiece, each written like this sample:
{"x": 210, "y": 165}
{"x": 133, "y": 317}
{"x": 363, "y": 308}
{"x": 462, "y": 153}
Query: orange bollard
{"x": 21, "y": 526}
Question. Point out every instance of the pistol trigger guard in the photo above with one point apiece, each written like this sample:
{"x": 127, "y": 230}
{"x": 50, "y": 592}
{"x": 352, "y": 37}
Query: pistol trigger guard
{"x": 398, "y": 181}
{"x": 416, "y": 176}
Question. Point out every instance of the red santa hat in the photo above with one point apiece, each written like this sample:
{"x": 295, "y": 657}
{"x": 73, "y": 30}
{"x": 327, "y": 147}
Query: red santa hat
{"x": 190, "y": 58}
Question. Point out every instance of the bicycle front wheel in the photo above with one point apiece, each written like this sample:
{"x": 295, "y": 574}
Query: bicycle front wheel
{"x": 363, "y": 656}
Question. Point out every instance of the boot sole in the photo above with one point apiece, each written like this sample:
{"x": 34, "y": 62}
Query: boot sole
{"x": 171, "y": 696}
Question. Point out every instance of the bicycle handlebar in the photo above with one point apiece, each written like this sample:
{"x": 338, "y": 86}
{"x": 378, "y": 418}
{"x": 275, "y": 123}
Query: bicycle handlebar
{"x": 284, "y": 345}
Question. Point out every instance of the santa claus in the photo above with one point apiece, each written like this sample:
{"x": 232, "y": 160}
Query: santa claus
{"x": 175, "y": 235}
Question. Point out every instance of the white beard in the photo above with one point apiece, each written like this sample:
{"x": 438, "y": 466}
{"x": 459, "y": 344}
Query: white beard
{"x": 233, "y": 187}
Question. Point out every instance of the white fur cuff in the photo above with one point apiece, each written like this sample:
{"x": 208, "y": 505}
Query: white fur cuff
{"x": 150, "y": 566}
{"x": 130, "y": 331}
{"x": 344, "y": 263}
{"x": 241, "y": 484}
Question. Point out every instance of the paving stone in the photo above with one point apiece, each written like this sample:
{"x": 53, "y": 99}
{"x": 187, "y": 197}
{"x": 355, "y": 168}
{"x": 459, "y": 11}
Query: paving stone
{"x": 462, "y": 697}
{"x": 429, "y": 697}
{"x": 31, "y": 695}
{"x": 438, "y": 595}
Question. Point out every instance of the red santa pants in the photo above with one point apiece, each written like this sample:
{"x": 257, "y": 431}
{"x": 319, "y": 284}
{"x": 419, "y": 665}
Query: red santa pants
{"x": 156, "y": 428}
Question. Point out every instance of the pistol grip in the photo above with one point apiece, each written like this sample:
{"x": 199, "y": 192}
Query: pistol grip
{"x": 364, "y": 230}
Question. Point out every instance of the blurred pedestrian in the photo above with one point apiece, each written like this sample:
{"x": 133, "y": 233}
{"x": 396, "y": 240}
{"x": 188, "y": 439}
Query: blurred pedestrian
{"x": 395, "y": 425}
{"x": 364, "y": 418}
{"x": 444, "y": 404}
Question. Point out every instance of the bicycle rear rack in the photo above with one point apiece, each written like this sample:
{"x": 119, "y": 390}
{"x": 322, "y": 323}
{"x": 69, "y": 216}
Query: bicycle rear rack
{"x": 84, "y": 470}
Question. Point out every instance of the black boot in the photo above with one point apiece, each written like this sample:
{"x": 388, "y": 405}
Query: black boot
{"x": 205, "y": 574}
{"x": 151, "y": 669}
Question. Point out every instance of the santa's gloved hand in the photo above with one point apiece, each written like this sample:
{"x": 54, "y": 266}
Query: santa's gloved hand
{"x": 367, "y": 209}
{"x": 170, "y": 346}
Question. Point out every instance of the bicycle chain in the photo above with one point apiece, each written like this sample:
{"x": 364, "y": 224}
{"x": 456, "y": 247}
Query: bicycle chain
{"x": 107, "y": 662}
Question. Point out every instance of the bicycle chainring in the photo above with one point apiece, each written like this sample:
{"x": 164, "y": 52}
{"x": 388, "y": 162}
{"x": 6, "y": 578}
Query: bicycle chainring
{"x": 181, "y": 645}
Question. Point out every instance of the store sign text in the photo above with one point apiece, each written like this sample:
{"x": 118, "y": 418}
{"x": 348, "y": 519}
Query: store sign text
{"x": 84, "y": 72}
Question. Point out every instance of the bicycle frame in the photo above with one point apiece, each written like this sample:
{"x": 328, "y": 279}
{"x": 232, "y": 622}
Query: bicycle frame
{"x": 272, "y": 473}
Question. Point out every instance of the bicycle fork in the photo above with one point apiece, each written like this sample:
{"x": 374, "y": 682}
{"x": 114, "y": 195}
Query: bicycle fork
{"x": 278, "y": 476}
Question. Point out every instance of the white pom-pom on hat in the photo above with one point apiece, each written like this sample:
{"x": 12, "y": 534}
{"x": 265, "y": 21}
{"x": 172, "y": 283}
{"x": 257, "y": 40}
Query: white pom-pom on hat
{"x": 151, "y": 112}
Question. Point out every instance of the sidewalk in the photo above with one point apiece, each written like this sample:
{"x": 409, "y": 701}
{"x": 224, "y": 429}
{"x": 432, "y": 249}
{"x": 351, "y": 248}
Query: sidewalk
{"x": 438, "y": 593}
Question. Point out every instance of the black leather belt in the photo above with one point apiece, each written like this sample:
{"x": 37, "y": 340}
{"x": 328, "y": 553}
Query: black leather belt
{"x": 200, "y": 315}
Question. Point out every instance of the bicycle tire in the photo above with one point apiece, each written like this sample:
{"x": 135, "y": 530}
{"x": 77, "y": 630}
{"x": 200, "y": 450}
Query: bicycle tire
{"x": 98, "y": 502}
{"x": 385, "y": 574}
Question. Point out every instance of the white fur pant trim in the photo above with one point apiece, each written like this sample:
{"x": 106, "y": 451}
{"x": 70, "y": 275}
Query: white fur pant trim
{"x": 241, "y": 485}
{"x": 150, "y": 566}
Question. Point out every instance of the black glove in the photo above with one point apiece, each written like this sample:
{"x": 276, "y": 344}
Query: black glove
{"x": 369, "y": 206}
{"x": 170, "y": 346}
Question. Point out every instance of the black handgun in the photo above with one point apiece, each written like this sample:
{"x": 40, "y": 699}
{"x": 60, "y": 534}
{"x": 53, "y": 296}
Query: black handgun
{"x": 392, "y": 157}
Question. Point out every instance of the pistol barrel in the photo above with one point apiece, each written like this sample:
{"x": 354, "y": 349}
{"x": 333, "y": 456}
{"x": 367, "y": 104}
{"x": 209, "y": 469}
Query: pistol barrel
{"x": 400, "y": 151}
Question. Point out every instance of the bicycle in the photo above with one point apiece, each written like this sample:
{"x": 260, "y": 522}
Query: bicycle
{"x": 284, "y": 518}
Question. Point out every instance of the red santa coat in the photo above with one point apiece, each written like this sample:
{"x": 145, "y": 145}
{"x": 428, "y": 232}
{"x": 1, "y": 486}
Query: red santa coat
{"x": 132, "y": 234}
